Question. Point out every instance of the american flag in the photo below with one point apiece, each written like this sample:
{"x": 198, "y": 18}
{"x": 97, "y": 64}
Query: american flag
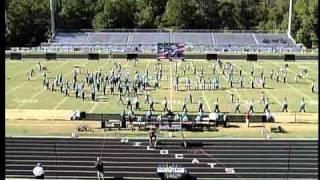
{"x": 172, "y": 50}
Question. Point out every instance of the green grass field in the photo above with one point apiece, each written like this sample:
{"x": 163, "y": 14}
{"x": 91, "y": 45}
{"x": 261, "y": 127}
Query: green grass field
{"x": 24, "y": 94}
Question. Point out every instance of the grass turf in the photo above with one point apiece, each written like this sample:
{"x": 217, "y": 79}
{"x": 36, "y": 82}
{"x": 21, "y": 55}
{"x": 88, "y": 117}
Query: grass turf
{"x": 23, "y": 94}
{"x": 237, "y": 130}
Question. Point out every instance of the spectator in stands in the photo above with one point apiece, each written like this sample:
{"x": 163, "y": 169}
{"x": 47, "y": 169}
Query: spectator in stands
{"x": 99, "y": 167}
{"x": 38, "y": 171}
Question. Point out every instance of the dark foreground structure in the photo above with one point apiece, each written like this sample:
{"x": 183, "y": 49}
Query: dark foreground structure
{"x": 65, "y": 158}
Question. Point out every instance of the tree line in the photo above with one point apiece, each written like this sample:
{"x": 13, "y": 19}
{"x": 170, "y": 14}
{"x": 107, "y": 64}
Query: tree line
{"x": 28, "y": 21}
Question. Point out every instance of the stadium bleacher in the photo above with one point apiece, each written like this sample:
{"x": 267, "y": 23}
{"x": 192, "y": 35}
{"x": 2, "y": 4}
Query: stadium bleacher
{"x": 192, "y": 38}
{"x": 148, "y": 38}
{"x": 239, "y": 39}
{"x": 194, "y": 41}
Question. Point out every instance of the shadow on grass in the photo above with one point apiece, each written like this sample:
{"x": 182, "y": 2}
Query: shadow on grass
{"x": 233, "y": 126}
{"x": 256, "y": 126}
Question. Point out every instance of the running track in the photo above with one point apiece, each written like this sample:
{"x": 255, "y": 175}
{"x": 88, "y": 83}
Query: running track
{"x": 65, "y": 158}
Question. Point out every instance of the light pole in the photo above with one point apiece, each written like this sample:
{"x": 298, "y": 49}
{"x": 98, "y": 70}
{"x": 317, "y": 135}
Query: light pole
{"x": 52, "y": 20}
{"x": 290, "y": 18}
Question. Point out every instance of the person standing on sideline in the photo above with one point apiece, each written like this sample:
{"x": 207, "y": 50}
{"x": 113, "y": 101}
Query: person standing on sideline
{"x": 99, "y": 168}
{"x": 38, "y": 171}
{"x": 247, "y": 117}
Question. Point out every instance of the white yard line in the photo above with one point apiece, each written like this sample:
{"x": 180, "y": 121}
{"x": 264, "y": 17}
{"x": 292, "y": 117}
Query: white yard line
{"x": 236, "y": 91}
{"x": 295, "y": 89}
{"x": 64, "y": 99}
{"x": 266, "y": 90}
{"x": 17, "y": 87}
{"x": 60, "y": 103}
{"x": 93, "y": 107}
{"x": 34, "y": 96}
{"x": 40, "y": 92}
{"x": 207, "y": 103}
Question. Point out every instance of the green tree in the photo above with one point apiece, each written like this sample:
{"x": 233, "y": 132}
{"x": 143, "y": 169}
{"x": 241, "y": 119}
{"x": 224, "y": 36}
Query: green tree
{"x": 275, "y": 15}
{"x": 306, "y": 30}
{"x": 208, "y": 14}
{"x": 181, "y": 14}
{"x": 247, "y": 13}
{"x": 145, "y": 18}
{"x": 149, "y": 13}
{"x": 115, "y": 14}
{"x": 76, "y": 14}
{"x": 28, "y": 22}
{"x": 228, "y": 16}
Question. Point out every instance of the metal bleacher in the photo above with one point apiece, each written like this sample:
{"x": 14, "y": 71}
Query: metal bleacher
{"x": 194, "y": 41}
{"x": 107, "y": 38}
{"x": 241, "y": 39}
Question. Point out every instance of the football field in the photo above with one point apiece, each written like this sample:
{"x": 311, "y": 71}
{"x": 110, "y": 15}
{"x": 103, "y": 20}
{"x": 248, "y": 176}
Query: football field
{"x": 30, "y": 94}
